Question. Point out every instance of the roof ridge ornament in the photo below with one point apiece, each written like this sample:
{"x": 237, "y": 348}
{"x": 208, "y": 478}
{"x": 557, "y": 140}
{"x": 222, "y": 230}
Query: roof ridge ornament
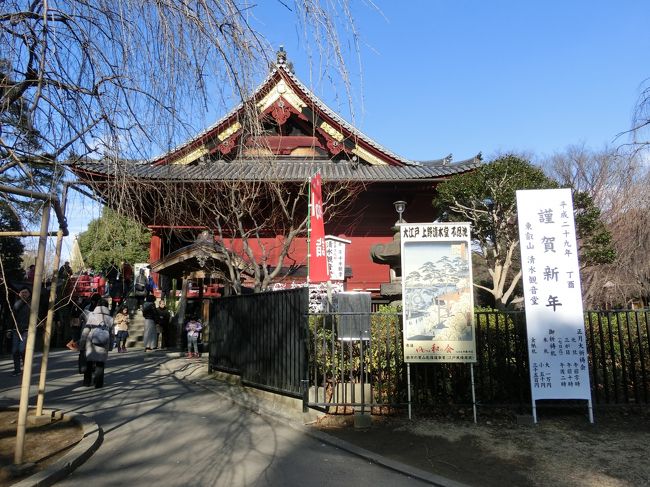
{"x": 281, "y": 59}
{"x": 282, "y": 55}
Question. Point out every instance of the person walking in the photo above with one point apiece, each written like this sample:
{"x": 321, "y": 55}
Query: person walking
{"x": 149, "y": 313}
{"x": 151, "y": 284}
{"x": 22, "y": 310}
{"x": 126, "y": 274}
{"x": 140, "y": 288}
{"x": 102, "y": 288}
{"x": 65, "y": 272}
{"x": 96, "y": 340}
{"x": 193, "y": 327}
{"x": 111, "y": 273}
{"x": 122, "y": 328}
{"x": 165, "y": 286}
{"x": 89, "y": 307}
{"x": 30, "y": 273}
{"x": 76, "y": 310}
{"x": 163, "y": 317}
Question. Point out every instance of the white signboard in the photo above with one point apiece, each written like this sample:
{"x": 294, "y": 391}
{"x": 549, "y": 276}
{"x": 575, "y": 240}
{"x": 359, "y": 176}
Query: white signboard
{"x": 336, "y": 257}
{"x": 437, "y": 293}
{"x": 557, "y": 348}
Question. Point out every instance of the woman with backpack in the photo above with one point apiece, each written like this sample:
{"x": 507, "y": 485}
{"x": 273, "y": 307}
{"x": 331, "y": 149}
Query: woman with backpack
{"x": 96, "y": 340}
{"x": 140, "y": 288}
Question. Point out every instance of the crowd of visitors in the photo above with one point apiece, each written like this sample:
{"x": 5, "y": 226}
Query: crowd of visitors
{"x": 99, "y": 316}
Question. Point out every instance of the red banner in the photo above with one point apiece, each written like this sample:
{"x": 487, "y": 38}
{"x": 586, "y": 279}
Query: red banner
{"x": 318, "y": 271}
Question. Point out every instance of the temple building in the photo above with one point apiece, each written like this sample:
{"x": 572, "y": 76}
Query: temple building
{"x": 296, "y": 136}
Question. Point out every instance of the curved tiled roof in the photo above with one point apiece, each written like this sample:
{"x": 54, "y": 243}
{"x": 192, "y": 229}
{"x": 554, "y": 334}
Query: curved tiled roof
{"x": 287, "y": 170}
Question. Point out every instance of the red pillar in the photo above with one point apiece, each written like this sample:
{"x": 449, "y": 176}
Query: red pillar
{"x": 155, "y": 251}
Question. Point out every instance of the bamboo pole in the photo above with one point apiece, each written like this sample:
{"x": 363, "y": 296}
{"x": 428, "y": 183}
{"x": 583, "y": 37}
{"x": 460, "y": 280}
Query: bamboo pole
{"x": 17, "y": 233}
{"x": 31, "y": 337}
{"x": 47, "y": 336}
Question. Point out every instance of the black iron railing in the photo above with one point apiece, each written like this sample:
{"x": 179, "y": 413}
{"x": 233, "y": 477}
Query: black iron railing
{"x": 619, "y": 356}
{"x": 370, "y": 374}
{"x": 262, "y": 338}
{"x": 272, "y": 343}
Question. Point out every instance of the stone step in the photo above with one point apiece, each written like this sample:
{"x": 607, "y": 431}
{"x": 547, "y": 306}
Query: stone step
{"x": 136, "y": 331}
{"x": 137, "y": 327}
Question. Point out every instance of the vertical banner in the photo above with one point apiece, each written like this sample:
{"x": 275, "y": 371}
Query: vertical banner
{"x": 437, "y": 295}
{"x": 557, "y": 349}
{"x": 317, "y": 250}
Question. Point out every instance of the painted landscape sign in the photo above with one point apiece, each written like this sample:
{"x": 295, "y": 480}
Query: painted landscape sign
{"x": 437, "y": 294}
{"x": 557, "y": 348}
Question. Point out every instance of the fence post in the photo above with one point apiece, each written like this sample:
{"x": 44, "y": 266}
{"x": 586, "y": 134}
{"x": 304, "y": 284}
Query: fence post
{"x": 304, "y": 385}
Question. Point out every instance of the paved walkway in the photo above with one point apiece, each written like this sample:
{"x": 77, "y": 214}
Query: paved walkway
{"x": 162, "y": 430}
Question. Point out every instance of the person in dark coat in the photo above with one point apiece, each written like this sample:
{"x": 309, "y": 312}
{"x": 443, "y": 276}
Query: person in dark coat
{"x": 30, "y": 273}
{"x": 163, "y": 318}
{"x": 65, "y": 272}
{"x": 149, "y": 313}
{"x": 112, "y": 273}
{"x": 76, "y": 310}
{"x": 165, "y": 286}
{"x": 22, "y": 310}
{"x": 140, "y": 288}
{"x": 127, "y": 273}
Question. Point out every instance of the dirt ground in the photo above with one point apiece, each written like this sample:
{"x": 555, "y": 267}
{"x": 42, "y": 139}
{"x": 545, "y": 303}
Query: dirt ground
{"x": 563, "y": 449}
{"x": 43, "y": 444}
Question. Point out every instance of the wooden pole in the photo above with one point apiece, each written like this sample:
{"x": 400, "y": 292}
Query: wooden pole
{"x": 47, "y": 336}
{"x": 26, "y": 234}
{"x": 31, "y": 337}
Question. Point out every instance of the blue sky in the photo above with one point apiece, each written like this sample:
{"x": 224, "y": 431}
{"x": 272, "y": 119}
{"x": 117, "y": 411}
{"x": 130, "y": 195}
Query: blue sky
{"x": 469, "y": 76}
{"x": 440, "y": 77}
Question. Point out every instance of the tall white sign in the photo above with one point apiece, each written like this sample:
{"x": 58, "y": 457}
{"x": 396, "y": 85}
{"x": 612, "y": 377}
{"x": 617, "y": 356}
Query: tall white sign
{"x": 336, "y": 256}
{"x": 557, "y": 347}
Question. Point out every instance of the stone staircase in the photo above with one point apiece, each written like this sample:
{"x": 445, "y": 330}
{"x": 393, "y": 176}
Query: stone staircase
{"x": 136, "y": 331}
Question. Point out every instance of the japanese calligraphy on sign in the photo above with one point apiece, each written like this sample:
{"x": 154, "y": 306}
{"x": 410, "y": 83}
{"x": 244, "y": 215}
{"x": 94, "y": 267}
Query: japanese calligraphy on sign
{"x": 437, "y": 293}
{"x": 336, "y": 257}
{"x": 554, "y": 316}
{"x": 317, "y": 253}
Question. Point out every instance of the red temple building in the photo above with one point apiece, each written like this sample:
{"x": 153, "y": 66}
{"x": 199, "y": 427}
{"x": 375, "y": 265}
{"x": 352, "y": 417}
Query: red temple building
{"x": 300, "y": 135}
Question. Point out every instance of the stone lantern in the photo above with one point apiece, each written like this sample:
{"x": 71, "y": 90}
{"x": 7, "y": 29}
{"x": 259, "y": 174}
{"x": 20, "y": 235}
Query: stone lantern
{"x": 391, "y": 254}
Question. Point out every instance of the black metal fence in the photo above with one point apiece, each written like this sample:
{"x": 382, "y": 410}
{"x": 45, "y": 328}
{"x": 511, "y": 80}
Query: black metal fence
{"x": 371, "y": 373}
{"x": 270, "y": 341}
{"x": 263, "y": 338}
{"x": 345, "y": 372}
{"x": 619, "y": 356}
